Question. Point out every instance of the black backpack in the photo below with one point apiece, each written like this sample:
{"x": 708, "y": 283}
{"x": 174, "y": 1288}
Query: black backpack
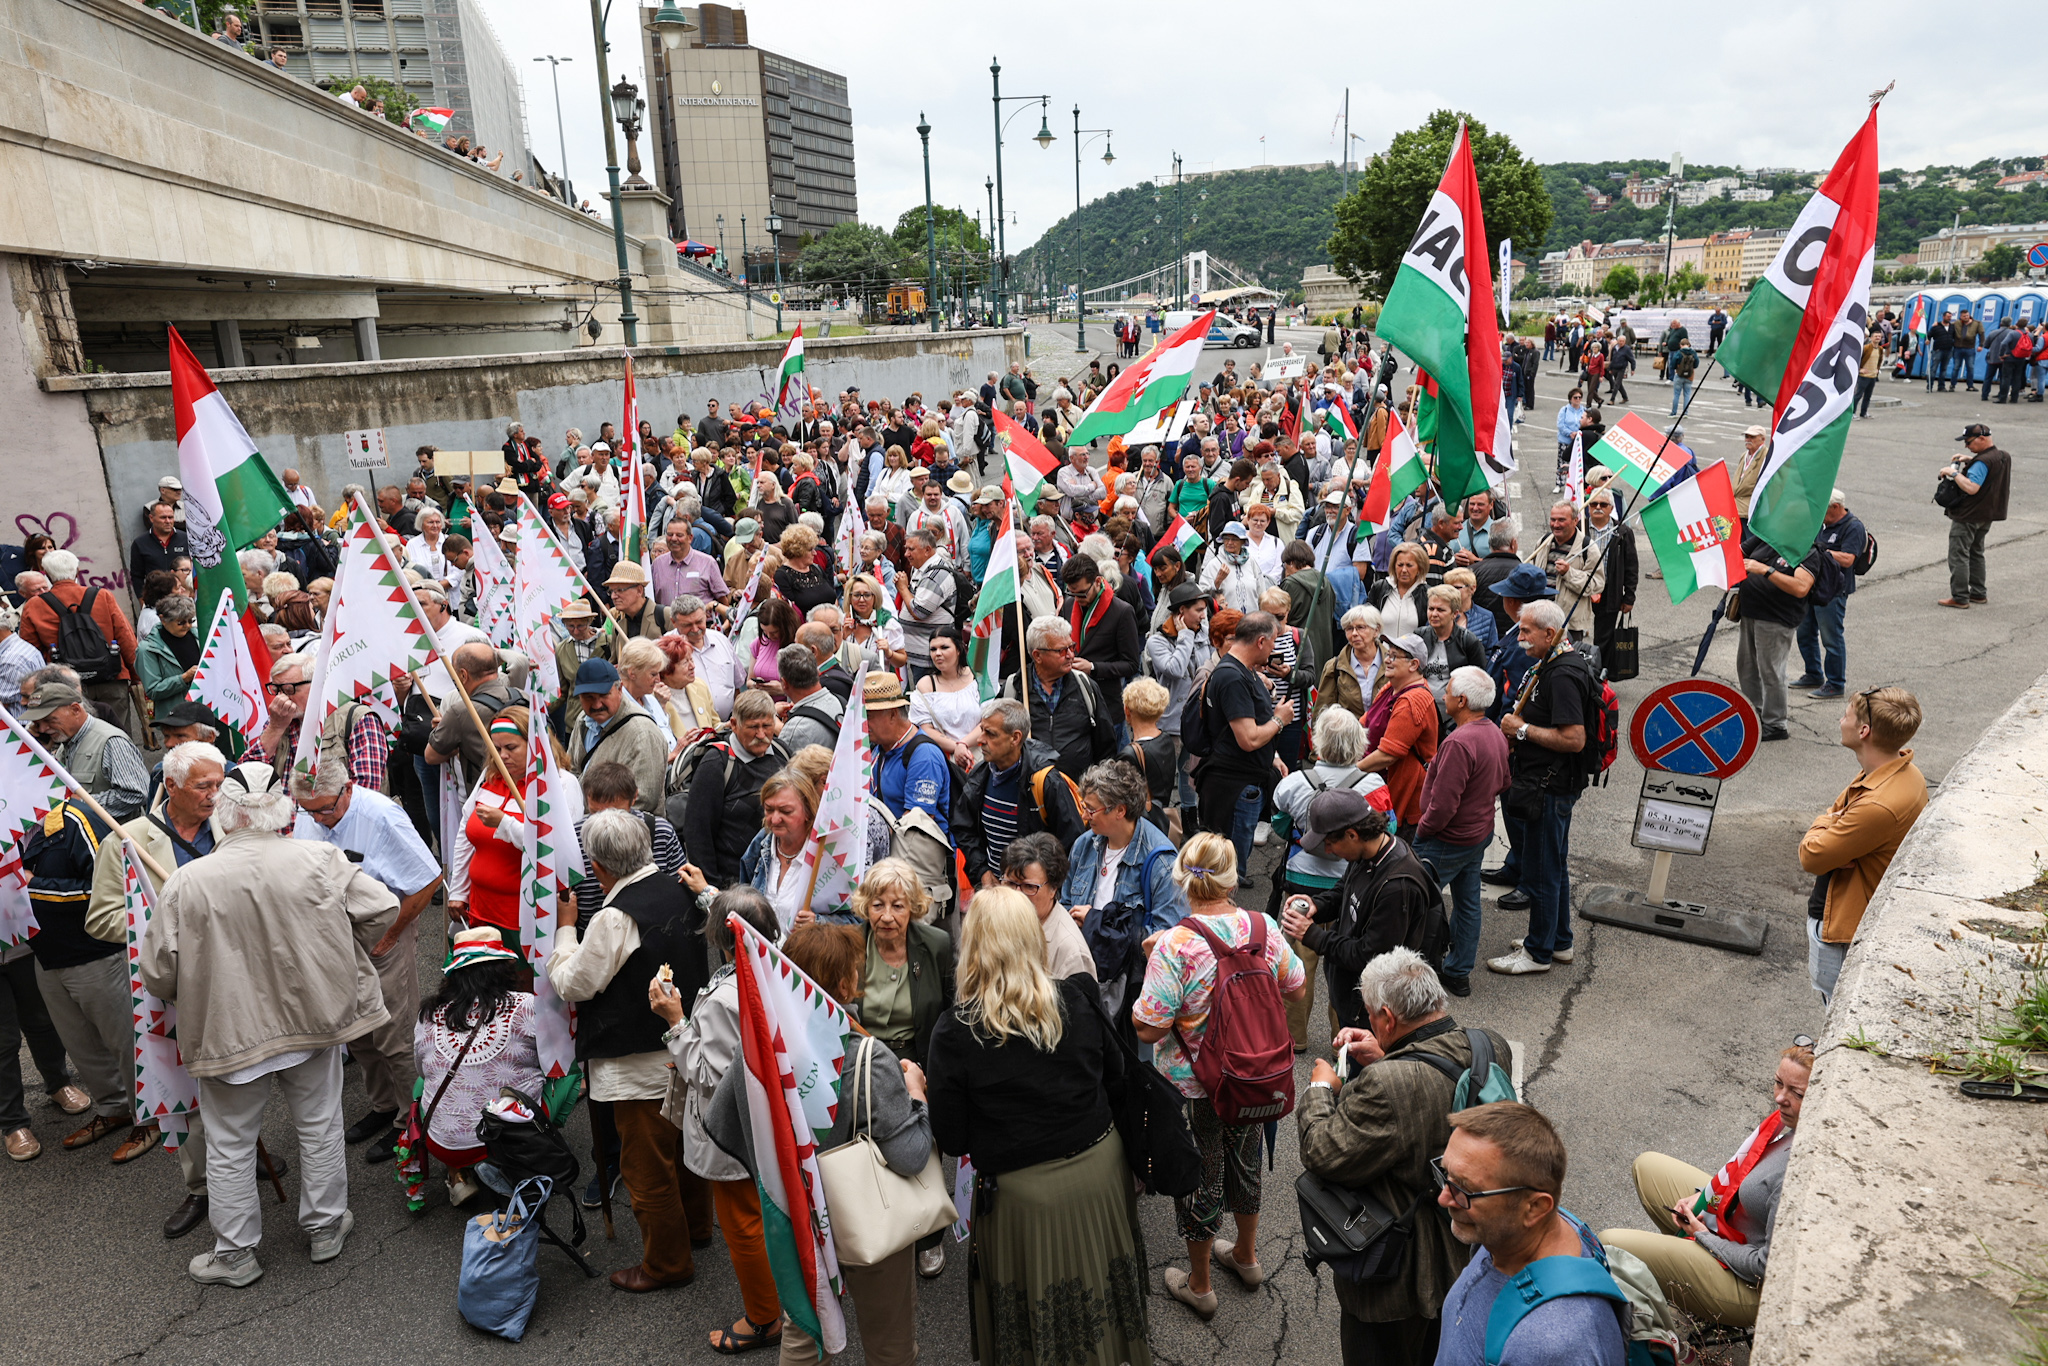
{"x": 81, "y": 645}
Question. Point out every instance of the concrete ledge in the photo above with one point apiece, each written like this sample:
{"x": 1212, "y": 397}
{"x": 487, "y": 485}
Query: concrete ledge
{"x": 1901, "y": 1196}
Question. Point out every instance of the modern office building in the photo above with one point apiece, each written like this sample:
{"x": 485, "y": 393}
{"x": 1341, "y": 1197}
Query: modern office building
{"x": 737, "y": 132}
{"x": 443, "y": 52}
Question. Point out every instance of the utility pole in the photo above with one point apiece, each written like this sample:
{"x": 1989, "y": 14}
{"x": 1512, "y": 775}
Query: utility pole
{"x": 628, "y": 320}
{"x": 931, "y": 250}
{"x": 1346, "y": 149}
{"x": 561, "y": 138}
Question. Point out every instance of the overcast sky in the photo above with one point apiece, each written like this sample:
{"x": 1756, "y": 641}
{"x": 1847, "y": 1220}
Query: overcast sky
{"x": 1783, "y": 85}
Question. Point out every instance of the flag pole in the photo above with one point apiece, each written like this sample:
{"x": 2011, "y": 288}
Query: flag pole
{"x": 78, "y": 790}
{"x": 433, "y": 638}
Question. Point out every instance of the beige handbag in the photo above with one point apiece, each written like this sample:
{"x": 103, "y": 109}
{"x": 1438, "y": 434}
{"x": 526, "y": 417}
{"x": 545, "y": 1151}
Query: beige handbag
{"x": 875, "y": 1212}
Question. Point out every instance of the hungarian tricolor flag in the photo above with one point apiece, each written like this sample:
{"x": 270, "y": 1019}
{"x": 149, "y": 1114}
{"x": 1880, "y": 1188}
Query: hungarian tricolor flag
{"x": 231, "y": 495}
{"x": 789, "y": 387}
{"x": 1337, "y": 417}
{"x": 1696, "y": 533}
{"x": 1397, "y": 474}
{"x": 1180, "y": 536}
{"x": 633, "y": 484}
{"x": 792, "y": 1050}
{"x": 1151, "y": 383}
{"x": 433, "y": 122}
{"x": 999, "y": 585}
{"x": 1800, "y": 339}
{"x": 1430, "y": 315}
{"x": 1029, "y": 464}
{"x": 1919, "y": 315}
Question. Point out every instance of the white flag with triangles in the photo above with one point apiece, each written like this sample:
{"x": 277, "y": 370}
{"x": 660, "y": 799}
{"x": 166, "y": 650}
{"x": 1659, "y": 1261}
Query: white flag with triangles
{"x": 839, "y": 847}
{"x": 228, "y": 682}
{"x": 165, "y": 1093}
{"x": 30, "y": 789}
{"x": 549, "y": 871}
{"x": 543, "y": 583}
{"x": 493, "y": 592}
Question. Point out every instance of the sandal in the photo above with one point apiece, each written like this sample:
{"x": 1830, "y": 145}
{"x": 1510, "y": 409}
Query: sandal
{"x": 730, "y": 1343}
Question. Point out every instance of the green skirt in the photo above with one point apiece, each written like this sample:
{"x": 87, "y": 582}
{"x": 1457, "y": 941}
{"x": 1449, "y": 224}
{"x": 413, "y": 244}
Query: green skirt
{"x": 1058, "y": 1266}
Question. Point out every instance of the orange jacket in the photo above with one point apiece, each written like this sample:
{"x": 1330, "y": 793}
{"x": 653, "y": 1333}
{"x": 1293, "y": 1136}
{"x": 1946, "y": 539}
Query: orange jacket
{"x": 1856, "y": 838}
{"x": 39, "y": 622}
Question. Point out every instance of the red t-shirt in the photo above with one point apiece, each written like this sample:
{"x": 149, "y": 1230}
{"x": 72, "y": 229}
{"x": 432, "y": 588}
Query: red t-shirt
{"x": 1409, "y": 732}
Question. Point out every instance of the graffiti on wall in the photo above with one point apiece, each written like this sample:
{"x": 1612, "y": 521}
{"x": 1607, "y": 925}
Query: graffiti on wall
{"x": 62, "y": 527}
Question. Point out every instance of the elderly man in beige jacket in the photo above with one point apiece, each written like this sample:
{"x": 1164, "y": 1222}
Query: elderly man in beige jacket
{"x": 264, "y": 946}
{"x": 1572, "y": 562}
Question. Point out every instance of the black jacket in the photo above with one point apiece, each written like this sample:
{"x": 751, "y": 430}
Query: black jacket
{"x": 1381, "y": 903}
{"x": 1115, "y": 646}
{"x": 1622, "y": 572}
{"x": 1079, "y": 730}
{"x": 721, "y": 818}
{"x": 615, "y": 1022}
{"x": 968, "y": 797}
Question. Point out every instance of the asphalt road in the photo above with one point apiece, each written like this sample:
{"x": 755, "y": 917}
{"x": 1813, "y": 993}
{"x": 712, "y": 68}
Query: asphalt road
{"x": 1641, "y": 1043}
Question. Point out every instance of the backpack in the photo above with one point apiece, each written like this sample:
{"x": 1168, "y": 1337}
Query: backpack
{"x": 1866, "y": 559}
{"x": 964, "y": 591}
{"x": 682, "y": 772}
{"x": 1436, "y": 928}
{"x": 1649, "y": 1328}
{"x": 1830, "y": 583}
{"x": 1603, "y": 733}
{"x": 1116, "y": 933}
{"x": 81, "y": 645}
{"x": 1038, "y": 782}
{"x": 334, "y": 733}
{"x": 1246, "y": 1063}
{"x": 1194, "y": 717}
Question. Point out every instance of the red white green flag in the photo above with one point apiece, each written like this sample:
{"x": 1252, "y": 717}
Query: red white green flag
{"x": 433, "y": 122}
{"x": 789, "y": 382}
{"x": 633, "y": 485}
{"x": 1800, "y": 339}
{"x": 31, "y": 787}
{"x": 231, "y": 495}
{"x": 165, "y": 1094}
{"x": 999, "y": 586}
{"x": 1029, "y": 463}
{"x": 1142, "y": 391}
{"x": 1430, "y": 314}
{"x": 1696, "y": 533}
{"x": 1180, "y": 536}
{"x": 793, "y": 1049}
{"x": 1396, "y": 474}
{"x": 549, "y": 869}
{"x": 1337, "y": 417}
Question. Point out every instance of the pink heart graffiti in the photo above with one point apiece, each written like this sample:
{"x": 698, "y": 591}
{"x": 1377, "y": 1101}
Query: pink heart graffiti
{"x": 28, "y": 524}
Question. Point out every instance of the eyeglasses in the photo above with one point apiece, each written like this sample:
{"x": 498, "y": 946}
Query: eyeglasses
{"x": 281, "y": 689}
{"x": 1019, "y": 885}
{"x": 1461, "y": 1197}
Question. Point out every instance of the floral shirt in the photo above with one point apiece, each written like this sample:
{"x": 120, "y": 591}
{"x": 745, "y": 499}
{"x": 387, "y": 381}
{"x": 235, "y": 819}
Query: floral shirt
{"x": 1182, "y": 973}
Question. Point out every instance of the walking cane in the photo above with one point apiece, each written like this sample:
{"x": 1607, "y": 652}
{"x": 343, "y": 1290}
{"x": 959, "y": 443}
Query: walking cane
{"x": 276, "y": 1183}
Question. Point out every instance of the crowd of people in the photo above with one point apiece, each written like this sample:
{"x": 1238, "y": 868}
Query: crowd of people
{"x": 1059, "y": 891}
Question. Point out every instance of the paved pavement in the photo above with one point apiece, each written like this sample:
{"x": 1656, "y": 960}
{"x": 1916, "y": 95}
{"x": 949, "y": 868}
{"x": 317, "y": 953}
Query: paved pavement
{"x": 1641, "y": 1043}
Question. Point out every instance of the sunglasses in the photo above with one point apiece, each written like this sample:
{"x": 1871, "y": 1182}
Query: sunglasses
{"x": 1461, "y": 1197}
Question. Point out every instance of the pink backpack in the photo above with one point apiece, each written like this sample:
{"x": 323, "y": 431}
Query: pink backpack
{"x": 1246, "y": 1062}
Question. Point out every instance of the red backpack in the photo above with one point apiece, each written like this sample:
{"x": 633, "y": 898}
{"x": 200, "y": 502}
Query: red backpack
{"x": 1246, "y": 1062}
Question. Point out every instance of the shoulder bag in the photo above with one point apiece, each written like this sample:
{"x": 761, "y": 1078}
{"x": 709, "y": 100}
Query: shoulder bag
{"x": 875, "y": 1211}
{"x": 1151, "y": 1119}
{"x": 414, "y": 1166}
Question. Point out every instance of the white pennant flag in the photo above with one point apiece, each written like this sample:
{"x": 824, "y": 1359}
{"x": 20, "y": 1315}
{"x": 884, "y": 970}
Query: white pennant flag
{"x": 543, "y": 583}
{"x": 228, "y": 682}
{"x": 30, "y": 789}
{"x": 165, "y": 1094}
{"x": 493, "y": 592}
{"x": 839, "y": 847}
{"x": 549, "y": 871}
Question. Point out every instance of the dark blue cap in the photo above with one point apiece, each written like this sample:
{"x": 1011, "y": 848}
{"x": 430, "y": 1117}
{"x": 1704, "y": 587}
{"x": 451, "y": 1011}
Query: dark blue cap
{"x": 595, "y": 677}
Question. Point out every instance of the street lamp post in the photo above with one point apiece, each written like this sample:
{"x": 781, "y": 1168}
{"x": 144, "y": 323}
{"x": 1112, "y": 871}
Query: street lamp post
{"x": 628, "y": 320}
{"x": 721, "y": 243}
{"x": 775, "y": 235}
{"x": 989, "y": 267}
{"x": 931, "y": 236}
{"x": 627, "y": 106}
{"x": 1044, "y": 139}
{"x": 1080, "y": 266}
{"x": 555, "y": 65}
{"x": 746, "y": 277}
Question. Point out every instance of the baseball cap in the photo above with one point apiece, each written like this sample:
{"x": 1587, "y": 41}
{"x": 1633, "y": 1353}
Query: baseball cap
{"x": 595, "y": 677}
{"x": 989, "y": 494}
{"x": 1410, "y": 645}
{"x": 1331, "y": 811}
{"x": 47, "y": 698}
{"x": 1334, "y": 496}
{"x": 746, "y": 529}
{"x": 1973, "y": 431}
{"x": 182, "y": 713}
{"x": 1526, "y": 584}
{"x": 1754, "y": 430}
{"x": 171, "y": 481}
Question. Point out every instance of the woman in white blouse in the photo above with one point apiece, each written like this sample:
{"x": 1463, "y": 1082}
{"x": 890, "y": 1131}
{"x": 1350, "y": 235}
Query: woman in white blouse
{"x": 895, "y": 480}
{"x": 947, "y": 702}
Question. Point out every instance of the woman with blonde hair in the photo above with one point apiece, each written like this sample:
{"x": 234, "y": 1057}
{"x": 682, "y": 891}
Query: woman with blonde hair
{"x": 1021, "y": 1073}
{"x": 805, "y": 578}
{"x": 642, "y": 663}
{"x": 894, "y": 484}
{"x": 869, "y": 622}
{"x": 1173, "y": 1013}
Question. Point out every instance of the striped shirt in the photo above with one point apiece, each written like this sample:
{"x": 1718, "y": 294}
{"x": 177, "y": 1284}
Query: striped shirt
{"x": 668, "y": 856}
{"x": 1000, "y": 809}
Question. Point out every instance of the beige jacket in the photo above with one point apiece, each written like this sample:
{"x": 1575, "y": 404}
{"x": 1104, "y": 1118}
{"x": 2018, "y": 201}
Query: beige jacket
{"x": 264, "y": 945}
{"x": 106, "y": 915}
{"x": 1574, "y": 575}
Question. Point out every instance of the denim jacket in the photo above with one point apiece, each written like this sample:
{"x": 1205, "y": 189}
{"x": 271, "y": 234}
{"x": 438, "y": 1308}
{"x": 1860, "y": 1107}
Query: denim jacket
{"x": 1166, "y": 902}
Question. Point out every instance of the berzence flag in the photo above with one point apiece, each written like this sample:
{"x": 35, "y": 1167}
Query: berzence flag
{"x": 1429, "y": 314}
{"x": 1800, "y": 339}
{"x": 1696, "y": 533}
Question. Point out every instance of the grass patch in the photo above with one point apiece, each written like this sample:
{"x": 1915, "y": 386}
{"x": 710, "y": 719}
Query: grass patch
{"x": 2030, "y": 1305}
{"x": 2032, "y": 897}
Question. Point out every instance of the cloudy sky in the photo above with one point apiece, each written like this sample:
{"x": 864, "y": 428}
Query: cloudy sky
{"x": 1745, "y": 95}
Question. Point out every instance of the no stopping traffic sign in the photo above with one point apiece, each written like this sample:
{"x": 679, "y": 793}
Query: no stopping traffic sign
{"x": 1695, "y": 726}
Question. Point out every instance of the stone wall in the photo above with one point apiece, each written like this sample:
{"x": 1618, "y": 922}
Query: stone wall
{"x": 1903, "y": 1198}
{"x": 296, "y": 417}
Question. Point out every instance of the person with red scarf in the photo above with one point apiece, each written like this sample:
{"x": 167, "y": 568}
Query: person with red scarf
{"x": 1716, "y": 1231}
{"x": 1107, "y": 642}
{"x": 484, "y": 886}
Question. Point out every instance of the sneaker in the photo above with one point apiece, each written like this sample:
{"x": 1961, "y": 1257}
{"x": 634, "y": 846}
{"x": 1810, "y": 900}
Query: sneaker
{"x": 1806, "y": 681}
{"x": 327, "y": 1246}
{"x": 593, "y": 1199}
{"x": 462, "y": 1189}
{"x": 1517, "y": 900}
{"x": 1560, "y": 955}
{"x": 1262, "y": 834}
{"x": 1825, "y": 693}
{"x": 931, "y": 1264}
{"x": 1516, "y": 964}
{"x": 1776, "y": 733}
{"x": 225, "y": 1268}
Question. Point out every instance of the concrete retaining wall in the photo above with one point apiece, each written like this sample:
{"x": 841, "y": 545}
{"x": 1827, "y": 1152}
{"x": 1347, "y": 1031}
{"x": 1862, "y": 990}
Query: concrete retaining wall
{"x": 1902, "y": 1197}
{"x": 297, "y": 416}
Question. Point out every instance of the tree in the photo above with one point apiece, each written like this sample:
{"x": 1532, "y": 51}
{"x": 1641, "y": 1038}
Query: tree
{"x": 1376, "y": 224}
{"x": 1653, "y": 289}
{"x": 952, "y": 232}
{"x": 859, "y": 257}
{"x": 1532, "y": 287}
{"x": 1687, "y": 279}
{"x": 2001, "y": 262}
{"x": 1908, "y": 275}
{"x": 1622, "y": 283}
